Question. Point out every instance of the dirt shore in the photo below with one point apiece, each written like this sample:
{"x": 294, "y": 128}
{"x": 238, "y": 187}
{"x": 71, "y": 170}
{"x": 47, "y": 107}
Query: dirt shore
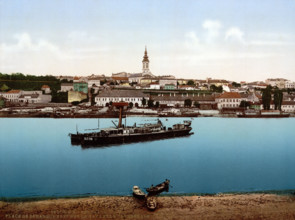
{"x": 247, "y": 206}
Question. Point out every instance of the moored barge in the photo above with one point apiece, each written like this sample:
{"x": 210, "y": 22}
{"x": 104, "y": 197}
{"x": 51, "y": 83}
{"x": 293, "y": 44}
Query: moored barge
{"x": 128, "y": 134}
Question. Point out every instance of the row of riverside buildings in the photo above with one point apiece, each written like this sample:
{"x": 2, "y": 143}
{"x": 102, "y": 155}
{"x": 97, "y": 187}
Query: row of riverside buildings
{"x": 21, "y": 96}
{"x": 165, "y": 90}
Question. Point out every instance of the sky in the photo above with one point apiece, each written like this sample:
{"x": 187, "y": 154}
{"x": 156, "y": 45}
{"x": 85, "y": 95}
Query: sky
{"x": 239, "y": 40}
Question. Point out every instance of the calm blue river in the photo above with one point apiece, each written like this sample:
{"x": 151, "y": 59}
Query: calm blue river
{"x": 224, "y": 155}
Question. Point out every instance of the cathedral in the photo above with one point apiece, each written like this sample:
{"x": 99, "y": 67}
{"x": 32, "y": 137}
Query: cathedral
{"x": 145, "y": 65}
{"x": 146, "y": 73}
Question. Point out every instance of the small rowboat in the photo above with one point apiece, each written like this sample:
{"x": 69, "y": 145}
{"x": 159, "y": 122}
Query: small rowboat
{"x": 138, "y": 193}
{"x": 151, "y": 203}
{"x": 155, "y": 190}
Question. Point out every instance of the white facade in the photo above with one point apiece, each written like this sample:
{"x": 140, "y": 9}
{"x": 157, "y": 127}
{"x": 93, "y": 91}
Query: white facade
{"x": 135, "y": 78}
{"x": 288, "y": 107}
{"x": 128, "y": 96}
{"x": 12, "y": 95}
{"x": 228, "y": 103}
{"x": 164, "y": 82}
{"x": 102, "y": 101}
{"x": 92, "y": 82}
{"x": 154, "y": 86}
{"x": 65, "y": 87}
{"x": 289, "y": 85}
{"x": 46, "y": 89}
{"x": 229, "y": 100}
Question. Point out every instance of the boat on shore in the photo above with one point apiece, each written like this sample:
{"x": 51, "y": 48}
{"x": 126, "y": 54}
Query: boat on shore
{"x": 155, "y": 190}
{"x": 121, "y": 134}
{"x": 138, "y": 193}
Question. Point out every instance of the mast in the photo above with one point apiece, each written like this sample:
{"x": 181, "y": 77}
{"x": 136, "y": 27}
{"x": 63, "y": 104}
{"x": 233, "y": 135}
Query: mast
{"x": 121, "y": 106}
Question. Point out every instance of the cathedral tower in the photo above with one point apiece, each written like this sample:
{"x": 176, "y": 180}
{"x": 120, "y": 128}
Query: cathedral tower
{"x": 145, "y": 63}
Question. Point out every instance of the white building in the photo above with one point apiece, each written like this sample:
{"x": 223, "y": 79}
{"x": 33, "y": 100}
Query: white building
{"x": 164, "y": 81}
{"x": 35, "y": 98}
{"x": 108, "y": 96}
{"x": 46, "y": 89}
{"x": 93, "y": 81}
{"x": 278, "y": 82}
{"x": 288, "y": 106}
{"x": 65, "y": 87}
{"x": 289, "y": 84}
{"x": 229, "y": 100}
{"x": 154, "y": 85}
{"x": 12, "y": 95}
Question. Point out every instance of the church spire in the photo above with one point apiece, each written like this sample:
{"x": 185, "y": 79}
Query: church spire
{"x": 145, "y": 57}
{"x": 145, "y": 62}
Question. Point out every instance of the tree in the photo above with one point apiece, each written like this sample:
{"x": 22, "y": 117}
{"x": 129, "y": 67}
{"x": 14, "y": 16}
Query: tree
{"x": 188, "y": 103}
{"x": 130, "y": 104}
{"x": 214, "y": 88}
{"x": 197, "y": 104}
{"x": 111, "y": 103}
{"x": 191, "y": 83}
{"x": 266, "y": 97}
{"x": 92, "y": 97}
{"x": 244, "y": 104}
{"x": 4, "y": 88}
{"x": 234, "y": 84}
{"x": 103, "y": 82}
{"x": 143, "y": 101}
{"x": 150, "y": 103}
{"x": 157, "y": 104}
{"x": 278, "y": 99}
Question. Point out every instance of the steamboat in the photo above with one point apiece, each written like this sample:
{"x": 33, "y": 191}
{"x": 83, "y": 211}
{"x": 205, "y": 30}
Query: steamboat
{"x": 121, "y": 134}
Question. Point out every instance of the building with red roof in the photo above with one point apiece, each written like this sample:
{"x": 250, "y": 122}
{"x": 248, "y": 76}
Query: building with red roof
{"x": 229, "y": 100}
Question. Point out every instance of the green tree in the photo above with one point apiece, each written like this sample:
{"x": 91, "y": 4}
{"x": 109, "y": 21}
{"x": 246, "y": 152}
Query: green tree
{"x": 191, "y": 83}
{"x": 4, "y": 88}
{"x": 215, "y": 88}
{"x": 266, "y": 97}
{"x": 157, "y": 104}
{"x": 234, "y": 84}
{"x": 188, "y": 103}
{"x": 92, "y": 97}
{"x": 150, "y": 103}
{"x": 278, "y": 99}
{"x": 197, "y": 104}
{"x": 59, "y": 97}
{"x": 103, "y": 82}
{"x": 143, "y": 101}
{"x": 244, "y": 104}
{"x": 130, "y": 104}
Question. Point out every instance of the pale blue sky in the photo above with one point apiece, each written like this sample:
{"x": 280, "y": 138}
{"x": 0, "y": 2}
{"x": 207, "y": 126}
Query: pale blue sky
{"x": 236, "y": 40}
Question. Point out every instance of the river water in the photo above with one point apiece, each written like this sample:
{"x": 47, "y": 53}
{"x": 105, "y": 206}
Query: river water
{"x": 223, "y": 155}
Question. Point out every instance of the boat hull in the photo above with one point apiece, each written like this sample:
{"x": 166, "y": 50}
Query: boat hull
{"x": 93, "y": 140}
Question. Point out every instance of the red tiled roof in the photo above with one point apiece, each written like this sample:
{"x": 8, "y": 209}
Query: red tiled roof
{"x": 13, "y": 91}
{"x": 230, "y": 95}
{"x": 45, "y": 87}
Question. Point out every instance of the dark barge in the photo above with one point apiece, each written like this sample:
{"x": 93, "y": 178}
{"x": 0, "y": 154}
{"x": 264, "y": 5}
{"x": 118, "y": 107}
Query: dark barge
{"x": 129, "y": 134}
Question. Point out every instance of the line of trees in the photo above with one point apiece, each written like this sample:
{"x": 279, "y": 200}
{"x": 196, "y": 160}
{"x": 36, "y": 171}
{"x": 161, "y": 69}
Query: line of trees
{"x": 267, "y": 95}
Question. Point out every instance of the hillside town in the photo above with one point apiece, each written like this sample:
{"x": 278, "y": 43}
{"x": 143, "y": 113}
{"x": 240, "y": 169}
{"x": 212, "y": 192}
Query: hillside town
{"x": 145, "y": 93}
